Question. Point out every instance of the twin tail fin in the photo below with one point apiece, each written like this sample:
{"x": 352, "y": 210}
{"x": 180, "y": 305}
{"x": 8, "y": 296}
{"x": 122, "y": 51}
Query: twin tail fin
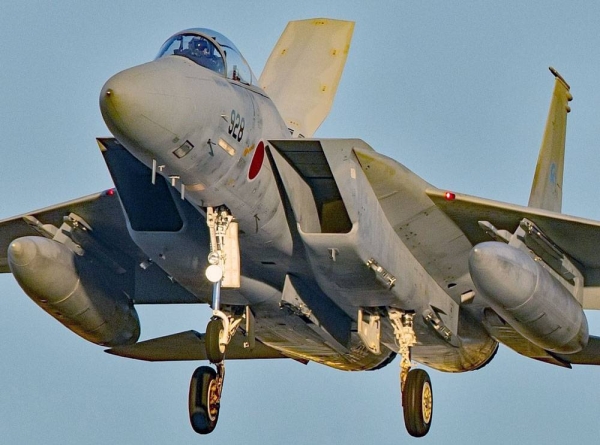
{"x": 546, "y": 189}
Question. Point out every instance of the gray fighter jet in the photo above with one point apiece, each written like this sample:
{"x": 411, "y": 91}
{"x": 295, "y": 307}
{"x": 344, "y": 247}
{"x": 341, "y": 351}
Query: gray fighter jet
{"x": 309, "y": 249}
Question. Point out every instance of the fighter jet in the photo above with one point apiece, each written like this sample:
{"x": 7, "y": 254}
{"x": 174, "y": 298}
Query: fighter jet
{"x": 316, "y": 250}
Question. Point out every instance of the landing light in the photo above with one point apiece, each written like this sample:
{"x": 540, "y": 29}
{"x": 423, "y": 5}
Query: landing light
{"x": 214, "y": 273}
{"x": 449, "y": 196}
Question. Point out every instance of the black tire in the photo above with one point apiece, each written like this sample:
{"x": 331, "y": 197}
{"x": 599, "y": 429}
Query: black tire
{"x": 203, "y": 416}
{"x": 417, "y": 401}
{"x": 214, "y": 351}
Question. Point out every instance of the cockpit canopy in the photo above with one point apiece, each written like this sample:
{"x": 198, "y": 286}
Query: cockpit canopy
{"x": 210, "y": 50}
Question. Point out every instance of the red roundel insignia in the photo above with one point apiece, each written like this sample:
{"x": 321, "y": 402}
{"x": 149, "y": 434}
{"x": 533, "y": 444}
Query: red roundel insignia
{"x": 257, "y": 161}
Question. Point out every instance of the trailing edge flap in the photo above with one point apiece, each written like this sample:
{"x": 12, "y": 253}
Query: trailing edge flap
{"x": 189, "y": 345}
{"x": 546, "y": 189}
{"x": 302, "y": 73}
{"x": 579, "y": 238}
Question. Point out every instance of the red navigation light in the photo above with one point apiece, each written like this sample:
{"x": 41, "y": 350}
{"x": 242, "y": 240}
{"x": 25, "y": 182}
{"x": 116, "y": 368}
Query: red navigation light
{"x": 110, "y": 192}
{"x": 449, "y": 196}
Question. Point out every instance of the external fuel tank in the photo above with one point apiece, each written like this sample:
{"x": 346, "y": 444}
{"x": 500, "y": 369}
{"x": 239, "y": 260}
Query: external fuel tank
{"x": 67, "y": 287}
{"x": 528, "y": 297}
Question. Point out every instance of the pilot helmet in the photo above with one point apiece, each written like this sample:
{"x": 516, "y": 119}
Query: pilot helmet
{"x": 199, "y": 44}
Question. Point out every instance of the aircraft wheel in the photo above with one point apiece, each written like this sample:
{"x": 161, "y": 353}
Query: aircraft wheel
{"x": 204, "y": 400}
{"x": 215, "y": 351}
{"x": 417, "y": 400}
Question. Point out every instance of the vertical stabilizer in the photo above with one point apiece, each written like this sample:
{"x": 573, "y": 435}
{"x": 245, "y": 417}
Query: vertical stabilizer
{"x": 304, "y": 69}
{"x": 546, "y": 190}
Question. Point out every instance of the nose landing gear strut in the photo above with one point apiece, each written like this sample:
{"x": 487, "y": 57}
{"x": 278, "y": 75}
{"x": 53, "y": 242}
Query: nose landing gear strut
{"x": 206, "y": 385}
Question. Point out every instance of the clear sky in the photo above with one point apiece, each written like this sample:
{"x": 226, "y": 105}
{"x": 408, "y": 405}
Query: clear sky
{"x": 456, "y": 91}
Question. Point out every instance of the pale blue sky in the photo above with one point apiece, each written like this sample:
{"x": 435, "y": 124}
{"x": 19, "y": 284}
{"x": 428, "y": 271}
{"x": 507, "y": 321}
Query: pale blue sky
{"x": 458, "y": 92}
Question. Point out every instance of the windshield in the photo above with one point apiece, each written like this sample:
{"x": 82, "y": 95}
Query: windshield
{"x": 210, "y": 50}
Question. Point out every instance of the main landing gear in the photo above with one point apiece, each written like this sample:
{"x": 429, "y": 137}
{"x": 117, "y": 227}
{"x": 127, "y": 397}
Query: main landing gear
{"x": 206, "y": 385}
{"x": 417, "y": 397}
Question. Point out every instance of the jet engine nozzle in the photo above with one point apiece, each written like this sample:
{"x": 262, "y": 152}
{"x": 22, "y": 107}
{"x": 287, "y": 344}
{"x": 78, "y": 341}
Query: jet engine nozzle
{"x": 73, "y": 291}
{"x": 528, "y": 297}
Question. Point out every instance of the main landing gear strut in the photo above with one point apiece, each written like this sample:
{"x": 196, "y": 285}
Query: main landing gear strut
{"x": 417, "y": 397}
{"x": 206, "y": 385}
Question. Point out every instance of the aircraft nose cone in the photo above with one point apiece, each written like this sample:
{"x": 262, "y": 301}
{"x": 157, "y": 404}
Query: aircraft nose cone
{"x": 21, "y": 252}
{"x": 147, "y": 106}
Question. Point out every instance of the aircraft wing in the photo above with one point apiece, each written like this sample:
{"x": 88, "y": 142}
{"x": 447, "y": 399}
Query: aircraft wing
{"x": 108, "y": 240}
{"x": 441, "y": 231}
{"x": 102, "y": 211}
{"x": 577, "y": 237}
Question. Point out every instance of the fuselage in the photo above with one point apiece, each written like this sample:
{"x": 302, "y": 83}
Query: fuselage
{"x": 204, "y": 125}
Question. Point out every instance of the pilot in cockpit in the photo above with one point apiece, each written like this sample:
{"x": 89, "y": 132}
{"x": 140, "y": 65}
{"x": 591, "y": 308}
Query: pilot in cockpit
{"x": 198, "y": 47}
{"x": 202, "y": 51}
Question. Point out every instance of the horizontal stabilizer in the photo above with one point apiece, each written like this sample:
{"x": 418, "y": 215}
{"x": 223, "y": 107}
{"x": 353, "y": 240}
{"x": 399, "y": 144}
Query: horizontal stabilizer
{"x": 590, "y": 355}
{"x": 506, "y": 334}
{"x": 189, "y": 345}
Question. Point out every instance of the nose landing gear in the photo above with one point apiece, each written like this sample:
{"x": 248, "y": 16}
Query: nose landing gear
{"x": 206, "y": 385}
{"x": 215, "y": 341}
{"x": 220, "y": 330}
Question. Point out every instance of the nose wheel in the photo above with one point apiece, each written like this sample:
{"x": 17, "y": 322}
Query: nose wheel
{"x": 205, "y": 398}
